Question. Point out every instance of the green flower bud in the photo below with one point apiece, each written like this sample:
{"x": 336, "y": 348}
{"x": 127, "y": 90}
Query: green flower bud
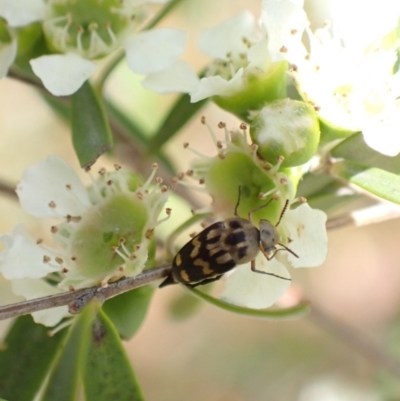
{"x": 238, "y": 166}
{"x": 287, "y": 128}
{"x": 259, "y": 87}
{"x": 331, "y": 131}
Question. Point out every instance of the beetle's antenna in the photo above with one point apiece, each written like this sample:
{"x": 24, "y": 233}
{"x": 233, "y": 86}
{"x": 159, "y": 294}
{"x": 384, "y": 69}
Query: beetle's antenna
{"x": 238, "y": 201}
{"x": 282, "y": 213}
{"x": 288, "y": 249}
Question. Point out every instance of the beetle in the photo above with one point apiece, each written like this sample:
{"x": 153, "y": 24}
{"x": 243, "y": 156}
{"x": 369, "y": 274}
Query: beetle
{"x": 223, "y": 245}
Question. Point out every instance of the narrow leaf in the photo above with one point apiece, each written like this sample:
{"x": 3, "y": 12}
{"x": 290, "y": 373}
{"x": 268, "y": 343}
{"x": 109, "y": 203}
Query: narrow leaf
{"x": 271, "y": 314}
{"x": 356, "y": 150}
{"x": 107, "y": 373}
{"x": 128, "y": 310}
{"x": 374, "y": 180}
{"x": 91, "y": 133}
{"x": 64, "y": 379}
{"x": 25, "y": 358}
{"x": 182, "y": 111}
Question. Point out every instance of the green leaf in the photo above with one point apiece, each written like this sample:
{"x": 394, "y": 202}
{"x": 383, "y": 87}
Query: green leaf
{"x": 312, "y": 184}
{"x": 374, "y": 180}
{"x": 65, "y": 376}
{"x": 322, "y": 192}
{"x": 107, "y": 372}
{"x": 356, "y": 150}
{"x": 182, "y": 111}
{"x": 270, "y": 314}
{"x": 25, "y": 358}
{"x": 91, "y": 133}
{"x": 128, "y": 310}
{"x": 331, "y": 202}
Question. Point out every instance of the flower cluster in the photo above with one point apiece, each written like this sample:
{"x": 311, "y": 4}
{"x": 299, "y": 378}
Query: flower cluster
{"x": 79, "y": 33}
{"x": 301, "y": 229}
{"x": 106, "y": 231}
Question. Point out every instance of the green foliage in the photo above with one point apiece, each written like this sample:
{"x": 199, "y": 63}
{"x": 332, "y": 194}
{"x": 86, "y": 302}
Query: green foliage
{"x": 374, "y": 180}
{"x": 65, "y": 375}
{"x": 128, "y": 310}
{"x": 91, "y": 133}
{"x": 25, "y": 358}
{"x": 107, "y": 372}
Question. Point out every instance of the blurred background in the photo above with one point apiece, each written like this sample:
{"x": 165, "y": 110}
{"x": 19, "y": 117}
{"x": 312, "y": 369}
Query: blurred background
{"x": 340, "y": 352}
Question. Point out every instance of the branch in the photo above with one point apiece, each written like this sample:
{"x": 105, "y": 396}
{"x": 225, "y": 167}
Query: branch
{"x": 77, "y": 300}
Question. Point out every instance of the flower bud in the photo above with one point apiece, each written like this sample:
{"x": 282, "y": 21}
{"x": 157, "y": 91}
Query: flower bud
{"x": 257, "y": 88}
{"x": 287, "y": 128}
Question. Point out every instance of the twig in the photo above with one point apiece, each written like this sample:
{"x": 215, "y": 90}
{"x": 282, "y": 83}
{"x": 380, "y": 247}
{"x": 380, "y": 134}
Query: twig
{"x": 369, "y": 215}
{"x": 76, "y": 300}
{"x": 8, "y": 189}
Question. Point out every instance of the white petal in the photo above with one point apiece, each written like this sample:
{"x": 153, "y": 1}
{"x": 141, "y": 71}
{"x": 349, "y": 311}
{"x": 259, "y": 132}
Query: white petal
{"x": 154, "y": 50}
{"x": 6, "y": 242}
{"x": 31, "y": 289}
{"x": 7, "y": 57}
{"x": 215, "y": 85}
{"x": 62, "y": 74}
{"x": 178, "y": 78}
{"x": 258, "y": 55}
{"x": 52, "y": 180}
{"x": 24, "y": 258}
{"x": 22, "y": 12}
{"x": 227, "y": 37}
{"x": 382, "y": 132}
{"x": 306, "y": 228}
{"x": 7, "y": 296}
{"x": 284, "y": 21}
{"x": 255, "y": 290}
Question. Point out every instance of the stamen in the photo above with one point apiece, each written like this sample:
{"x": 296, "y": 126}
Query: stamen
{"x": 266, "y": 194}
{"x": 154, "y": 167}
{"x": 277, "y": 165}
{"x": 60, "y": 327}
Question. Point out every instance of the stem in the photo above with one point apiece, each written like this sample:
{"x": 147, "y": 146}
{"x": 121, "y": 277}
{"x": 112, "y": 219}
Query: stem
{"x": 362, "y": 217}
{"x": 77, "y": 300}
{"x": 8, "y": 190}
{"x": 161, "y": 14}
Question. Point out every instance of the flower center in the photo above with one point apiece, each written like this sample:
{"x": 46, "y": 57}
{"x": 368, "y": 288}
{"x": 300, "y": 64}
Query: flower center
{"x": 92, "y": 28}
{"x": 120, "y": 219}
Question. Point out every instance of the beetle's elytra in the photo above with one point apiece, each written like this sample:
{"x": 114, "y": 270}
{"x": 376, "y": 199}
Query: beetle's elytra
{"x": 222, "y": 246}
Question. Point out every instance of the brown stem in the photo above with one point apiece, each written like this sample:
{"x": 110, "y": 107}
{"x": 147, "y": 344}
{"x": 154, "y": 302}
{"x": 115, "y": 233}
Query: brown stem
{"x": 76, "y": 300}
{"x": 8, "y": 189}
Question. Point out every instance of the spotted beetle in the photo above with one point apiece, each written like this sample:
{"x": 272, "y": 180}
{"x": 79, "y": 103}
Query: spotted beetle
{"x": 222, "y": 246}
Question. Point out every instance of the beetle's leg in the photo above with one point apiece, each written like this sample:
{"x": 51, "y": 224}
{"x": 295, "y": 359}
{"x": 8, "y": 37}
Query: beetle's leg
{"x": 253, "y": 268}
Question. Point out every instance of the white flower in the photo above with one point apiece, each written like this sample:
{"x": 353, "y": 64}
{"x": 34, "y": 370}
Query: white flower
{"x": 80, "y": 42}
{"x": 301, "y": 230}
{"x": 241, "y": 51}
{"x": 348, "y": 76}
{"x": 104, "y": 235}
{"x": 306, "y": 229}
